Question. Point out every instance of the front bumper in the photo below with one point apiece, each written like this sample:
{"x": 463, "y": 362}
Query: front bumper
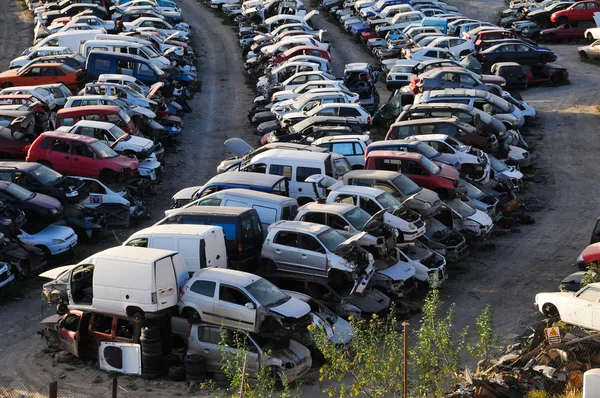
{"x": 68, "y": 244}
{"x": 414, "y": 235}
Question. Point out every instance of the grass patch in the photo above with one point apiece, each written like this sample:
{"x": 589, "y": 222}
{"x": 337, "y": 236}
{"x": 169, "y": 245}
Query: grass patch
{"x": 598, "y": 108}
{"x": 22, "y": 4}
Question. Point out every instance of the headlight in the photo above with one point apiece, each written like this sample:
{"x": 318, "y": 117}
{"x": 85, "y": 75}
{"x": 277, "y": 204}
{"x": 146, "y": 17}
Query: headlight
{"x": 412, "y": 226}
{"x": 396, "y": 232}
{"x": 427, "y": 205}
{"x": 57, "y": 241}
{"x": 53, "y": 211}
{"x": 580, "y": 259}
{"x": 370, "y": 258}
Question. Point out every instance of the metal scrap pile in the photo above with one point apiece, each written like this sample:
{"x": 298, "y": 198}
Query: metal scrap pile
{"x": 544, "y": 360}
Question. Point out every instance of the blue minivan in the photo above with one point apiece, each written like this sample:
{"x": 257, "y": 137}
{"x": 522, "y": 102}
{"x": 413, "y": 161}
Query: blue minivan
{"x": 105, "y": 62}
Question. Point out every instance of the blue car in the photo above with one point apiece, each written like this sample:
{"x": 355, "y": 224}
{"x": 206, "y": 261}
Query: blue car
{"x": 359, "y": 28}
{"x": 379, "y": 6}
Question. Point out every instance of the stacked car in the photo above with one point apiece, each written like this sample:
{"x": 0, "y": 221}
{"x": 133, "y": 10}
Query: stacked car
{"x": 83, "y": 109}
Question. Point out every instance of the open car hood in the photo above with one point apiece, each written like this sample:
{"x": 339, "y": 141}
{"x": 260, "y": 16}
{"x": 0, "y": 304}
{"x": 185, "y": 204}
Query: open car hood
{"x": 154, "y": 89}
{"x": 238, "y": 146}
{"x": 348, "y": 243}
{"x": 55, "y": 272}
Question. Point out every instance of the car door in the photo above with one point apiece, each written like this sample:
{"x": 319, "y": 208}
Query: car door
{"x": 84, "y": 160}
{"x": 416, "y": 172}
{"x": 526, "y": 54}
{"x": 202, "y": 294}
{"x": 32, "y": 76}
{"x": 285, "y": 251}
{"x": 208, "y": 339}
{"x": 59, "y": 155}
{"x": 580, "y": 309}
{"x": 235, "y": 308}
{"x": 312, "y": 255}
{"x": 69, "y": 334}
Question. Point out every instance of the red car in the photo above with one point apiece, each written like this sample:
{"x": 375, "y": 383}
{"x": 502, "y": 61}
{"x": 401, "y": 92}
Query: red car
{"x": 498, "y": 34}
{"x": 569, "y": 31}
{"x": 580, "y": 11}
{"x": 302, "y": 50}
{"x": 442, "y": 179}
{"x": 13, "y": 145}
{"x": 80, "y": 155}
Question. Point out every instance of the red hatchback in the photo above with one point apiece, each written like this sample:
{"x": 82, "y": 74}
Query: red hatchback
{"x": 302, "y": 50}
{"x": 81, "y": 156}
{"x": 580, "y": 11}
{"x": 442, "y": 179}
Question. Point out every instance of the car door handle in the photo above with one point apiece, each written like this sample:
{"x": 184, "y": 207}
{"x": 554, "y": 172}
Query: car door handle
{"x": 303, "y": 255}
{"x": 66, "y": 157}
{"x": 277, "y": 251}
{"x": 75, "y": 158}
{"x": 206, "y": 351}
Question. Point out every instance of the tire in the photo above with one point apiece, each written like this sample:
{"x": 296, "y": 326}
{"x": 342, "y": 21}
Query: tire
{"x": 557, "y": 78}
{"x": 583, "y": 56}
{"x": 590, "y": 37}
{"x": 192, "y": 316}
{"x": 64, "y": 357}
{"x": 562, "y": 20}
{"x": 62, "y": 309}
{"x": 46, "y": 251}
{"x": 150, "y": 333}
{"x": 170, "y": 360}
{"x": 549, "y": 310}
{"x": 107, "y": 176}
{"x": 177, "y": 373}
{"x": 195, "y": 367}
{"x": 45, "y": 163}
{"x": 138, "y": 316}
{"x": 464, "y": 53}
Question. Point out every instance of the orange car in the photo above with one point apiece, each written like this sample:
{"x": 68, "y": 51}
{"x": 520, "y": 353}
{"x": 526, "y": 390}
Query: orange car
{"x": 37, "y": 74}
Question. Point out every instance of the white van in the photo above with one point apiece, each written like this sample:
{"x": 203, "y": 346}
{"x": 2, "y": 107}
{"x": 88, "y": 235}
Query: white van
{"x": 72, "y": 39}
{"x": 126, "y": 47}
{"x": 400, "y": 21}
{"x": 122, "y": 280}
{"x": 270, "y": 207}
{"x": 295, "y": 166}
{"x": 200, "y": 246}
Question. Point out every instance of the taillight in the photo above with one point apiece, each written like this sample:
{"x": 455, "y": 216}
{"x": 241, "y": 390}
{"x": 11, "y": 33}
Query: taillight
{"x": 26, "y": 148}
{"x": 181, "y": 292}
{"x": 389, "y": 77}
{"x": 240, "y": 249}
{"x": 118, "y": 23}
{"x": 408, "y": 56}
{"x": 189, "y": 333}
{"x": 369, "y": 120}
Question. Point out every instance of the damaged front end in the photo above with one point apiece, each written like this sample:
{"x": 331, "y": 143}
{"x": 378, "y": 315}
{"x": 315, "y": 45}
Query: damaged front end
{"x": 441, "y": 239}
{"x": 26, "y": 259}
{"x": 356, "y": 261}
{"x": 435, "y": 263}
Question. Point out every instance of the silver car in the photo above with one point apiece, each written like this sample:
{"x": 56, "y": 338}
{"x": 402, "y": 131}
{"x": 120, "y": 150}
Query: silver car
{"x": 241, "y": 300}
{"x": 208, "y": 340}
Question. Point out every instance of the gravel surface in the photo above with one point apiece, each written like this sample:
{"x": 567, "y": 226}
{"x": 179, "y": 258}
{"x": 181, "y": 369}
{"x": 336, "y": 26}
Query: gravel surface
{"x": 526, "y": 260}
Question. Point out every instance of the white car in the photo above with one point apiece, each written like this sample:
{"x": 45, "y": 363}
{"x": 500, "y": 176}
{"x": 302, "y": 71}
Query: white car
{"x": 125, "y": 80}
{"x": 311, "y": 99}
{"x": 43, "y": 94}
{"x": 310, "y": 85}
{"x": 457, "y": 46}
{"x": 331, "y": 109}
{"x": 170, "y": 13}
{"x": 293, "y": 41}
{"x": 509, "y": 175}
{"x": 580, "y": 308}
{"x": 400, "y": 74}
{"x": 37, "y": 53}
{"x": 59, "y": 92}
{"x": 53, "y": 240}
{"x": 92, "y": 21}
{"x": 428, "y": 53}
{"x": 157, "y": 24}
{"x": 352, "y": 147}
{"x": 85, "y": 100}
{"x": 300, "y": 78}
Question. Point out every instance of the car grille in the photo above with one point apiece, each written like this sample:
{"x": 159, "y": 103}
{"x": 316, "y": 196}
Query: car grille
{"x": 418, "y": 223}
{"x": 69, "y": 237}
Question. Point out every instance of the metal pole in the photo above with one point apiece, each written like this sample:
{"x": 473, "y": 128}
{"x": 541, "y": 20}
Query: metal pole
{"x": 405, "y": 324}
{"x": 53, "y": 389}
{"x": 114, "y": 387}
{"x": 243, "y": 376}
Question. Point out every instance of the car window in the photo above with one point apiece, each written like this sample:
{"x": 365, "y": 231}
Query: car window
{"x": 233, "y": 295}
{"x": 369, "y": 205}
{"x": 140, "y": 242}
{"x": 204, "y": 288}
{"x": 71, "y": 322}
{"x": 286, "y": 239}
{"x": 81, "y": 149}
{"x": 124, "y": 328}
{"x": 349, "y": 199}
{"x": 247, "y": 231}
{"x": 145, "y": 70}
{"x": 447, "y": 77}
{"x": 521, "y": 47}
{"x": 309, "y": 243}
{"x": 589, "y": 294}
{"x": 343, "y": 148}
{"x": 302, "y": 173}
{"x": 210, "y": 335}
{"x": 210, "y": 202}
{"x": 281, "y": 170}
{"x": 314, "y": 217}
{"x": 102, "y": 65}
{"x": 467, "y": 79}
{"x": 102, "y": 324}
{"x": 60, "y": 146}
{"x": 336, "y": 222}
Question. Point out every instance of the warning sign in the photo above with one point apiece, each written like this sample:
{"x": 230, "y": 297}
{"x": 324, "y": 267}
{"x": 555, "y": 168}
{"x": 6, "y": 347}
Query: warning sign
{"x": 553, "y": 335}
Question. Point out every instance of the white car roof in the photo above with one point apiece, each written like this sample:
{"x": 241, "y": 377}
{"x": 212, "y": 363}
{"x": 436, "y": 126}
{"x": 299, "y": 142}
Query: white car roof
{"x": 342, "y": 138}
{"x": 338, "y": 208}
{"x": 130, "y": 253}
{"x": 115, "y": 76}
{"x": 93, "y": 97}
{"x": 225, "y": 275}
{"x": 175, "y": 229}
{"x": 94, "y": 124}
{"x": 430, "y": 137}
{"x": 358, "y": 189}
{"x": 290, "y": 154}
{"x": 50, "y": 48}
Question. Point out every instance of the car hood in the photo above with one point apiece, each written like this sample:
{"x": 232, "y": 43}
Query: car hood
{"x": 399, "y": 272}
{"x": 126, "y": 162}
{"x": 372, "y": 302}
{"x": 351, "y": 241}
{"x": 45, "y": 201}
{"x": 512, "y": 172}
{"x": 426, "y": 196}
{"x": 186, "y": 193}
{"x": 338, "y": 330}
{"x": 55, "y": 272}
{"x": 238, "y": 146}
{"x": 8, "y": 74}
{"x": 493, "y": 79}
{"x": 144, "y": 111}
{"x": 481, "y": 218}
{"x": 449, "y": 172}
{"x": 293, "y": 308}
{"x": 50, "y": 232}
{"x": 294, "y": 353}
{"x": 294, "y": 115}
{"x": 552, "y": 297}
{"x": 141, "y": 142}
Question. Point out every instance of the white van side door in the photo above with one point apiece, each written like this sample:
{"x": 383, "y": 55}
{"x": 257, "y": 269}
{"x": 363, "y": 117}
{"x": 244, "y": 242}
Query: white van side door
{"x": 120, "y": 357}
{"x": 166, "y": 284}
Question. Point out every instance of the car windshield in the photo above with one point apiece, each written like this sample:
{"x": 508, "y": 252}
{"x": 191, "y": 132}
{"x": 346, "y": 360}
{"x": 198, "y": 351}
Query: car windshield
{"x": 472, "y": 191}
{"x": 390, "y": 203}
{"x": 429, "y": 165}
{"x": 117, "y": 132}
{"x": 80, "y": 59}
{"x": 461, "y": 207}
{"x": 124, "y": 116}
{"x": 331, "y": 239}
{"x": 459, "y": 146}
{"x": 45, "y": 175}
{"x": 401, "y": 69}
{"x": 150, "y": 52}
{"x": 266, "y": 293}
{"x": 426, "y": 150}
{"x": 357, "y": 217}
{"x": 406, "y": 185}
{"x": 19, "y": 192}
{"x": 103, "y": 150}
{"x": 122, "y": 103}
{"x": 502, "y": 104}
{"x": 497, "y": 165}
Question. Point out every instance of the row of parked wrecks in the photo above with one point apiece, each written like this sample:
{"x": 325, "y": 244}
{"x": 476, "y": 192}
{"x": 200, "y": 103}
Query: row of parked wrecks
{"x": 317, "y": 225}
{"x": 91, "y": 106}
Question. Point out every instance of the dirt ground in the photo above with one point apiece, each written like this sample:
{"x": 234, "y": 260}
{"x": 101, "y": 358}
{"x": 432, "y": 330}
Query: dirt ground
{"x": 560, "y": 191}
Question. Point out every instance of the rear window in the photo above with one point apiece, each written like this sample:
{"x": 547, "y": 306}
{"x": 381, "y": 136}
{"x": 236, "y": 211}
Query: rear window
{"x": 67, "y": 121}
{"x": 229, "y": 226}
{"x": 102, "y": 65}
{"x": 302, "y": 173}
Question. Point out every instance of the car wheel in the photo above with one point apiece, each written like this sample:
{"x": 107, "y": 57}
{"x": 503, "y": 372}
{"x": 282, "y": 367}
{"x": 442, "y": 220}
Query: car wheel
{"x": 45, "y": 163}
{"x": 563, "y": 20}
{"x": 549, "y": 310}
{"x": 464, "y": 53}
{"x": 583, "y": 56}
{"x": 46, "y": 251}
{"x": 557, "y": 78}
{"x": 107, "y": 176}
{"x": 192, "y": 316}
{"x": 590, "y": 37}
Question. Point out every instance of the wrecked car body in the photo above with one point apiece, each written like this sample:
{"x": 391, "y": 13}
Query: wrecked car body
{"x": 461, "y": 217}
{"x": 448, "y": 243}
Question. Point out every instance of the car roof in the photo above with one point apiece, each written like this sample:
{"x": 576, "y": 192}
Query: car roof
{"x": 458, "y": 92}
{"x": 382, "y": 174}
{"x": 300, "y": 226}
{"x": 18, "y": 96}
{"x": 45, "y": 65}
{"x": 413, "y": 122}
{"x": 71, "y": 137}
{"x": 175, "y": 229}
{"x": 359, "y": 189}
{"x": 248, "y": 178}
{"x": 25, "y": 166}
{"x": 131, "y": 253}
{"x": 438, "y": 105}
{"x": 93, "y": 96}
{"x": 356, "y": 66}
{"x": 343, "y": 138}
{"x": 250, "y": 193}
{"x": 287, "y": 154}
{"x": 89, "y": 108}
{"x": 430, "y": 137}
{"x": 395, "y": 154}
{"x": 339, "y": 208}
{"x": 445, "y": 69}
{"x": 95, "y": 124}
{"x": 210, "y": 210}
{"x": 384, "y": 143}
{"x": 225, "y": 275}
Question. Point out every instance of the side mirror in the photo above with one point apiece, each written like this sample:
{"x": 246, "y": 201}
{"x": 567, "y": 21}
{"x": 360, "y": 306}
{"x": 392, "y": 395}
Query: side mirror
{"x": 250, "y": 306}
{"x": 347, "y": 228}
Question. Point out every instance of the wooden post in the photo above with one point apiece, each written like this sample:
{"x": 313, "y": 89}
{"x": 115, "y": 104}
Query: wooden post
{"x": 114, "y": 387}
{"x": 405, "y": 324}
{"x": 243, "y": 376}
{"x": 53, "y": 390}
